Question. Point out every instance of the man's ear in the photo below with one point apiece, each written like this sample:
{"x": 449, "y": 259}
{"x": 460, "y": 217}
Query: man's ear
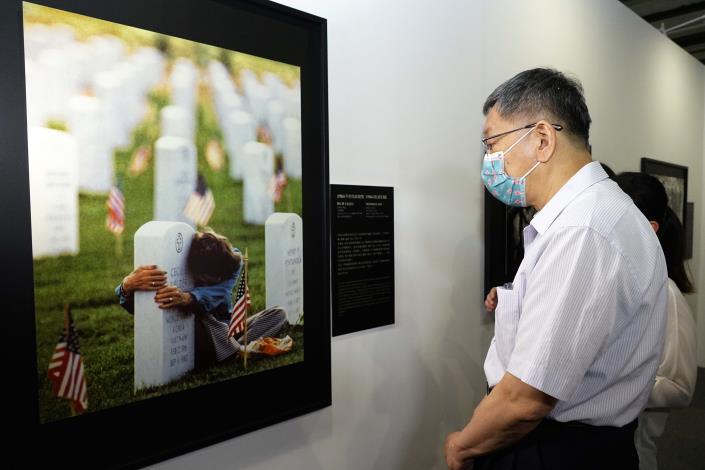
{"x": 547, "y": 141}
{"x": 654, "y": 225}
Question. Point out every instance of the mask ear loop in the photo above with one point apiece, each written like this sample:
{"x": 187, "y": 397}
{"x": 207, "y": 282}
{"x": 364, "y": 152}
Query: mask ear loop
{"x": 529, "y": 172}
{"x": 519, "y": 140}
{"x": 512, "y": 146}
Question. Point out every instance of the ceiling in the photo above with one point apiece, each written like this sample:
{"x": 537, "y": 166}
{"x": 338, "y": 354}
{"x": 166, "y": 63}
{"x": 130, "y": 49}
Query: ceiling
{"x": 665, "y": 14}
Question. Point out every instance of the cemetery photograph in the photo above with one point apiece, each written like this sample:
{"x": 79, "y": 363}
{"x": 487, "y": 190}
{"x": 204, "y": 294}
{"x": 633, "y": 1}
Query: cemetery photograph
{"x": 165, "y": 182}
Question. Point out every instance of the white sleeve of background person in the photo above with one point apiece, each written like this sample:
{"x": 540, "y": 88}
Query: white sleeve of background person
{"x": 676, "y": 376}
{"x": 572, "y": 299}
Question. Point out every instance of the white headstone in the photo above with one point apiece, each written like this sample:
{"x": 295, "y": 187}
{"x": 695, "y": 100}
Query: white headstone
{"x": 258, "y": 96}
{"x": 53, "y": 185}
{"x": 258, "y": 169}
{"x": 107, "y": 89}
{"x": 130, "y": 96}
{"x": 227, "y": 102}
{"x": 292, "y": 147}
{"x": 239, "y": 130}
{"x": 184, "y": 84}
{"x": 58, "y": 80}
{"x": 292, "y": 98}
{"x": 177, "y": 121}
{"x": 175, "y": 174}
{"x": 151, "y": 65}
{"x": 284, "y": 268}
{"x": 95, "y": 155}
{"x": 164, "y": 339}
{"x": 36, "y": 104}
{"x": 106, "y": 51}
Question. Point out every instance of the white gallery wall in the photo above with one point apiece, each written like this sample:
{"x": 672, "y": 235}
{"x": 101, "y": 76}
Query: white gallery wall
{"x": 407, "y": 80}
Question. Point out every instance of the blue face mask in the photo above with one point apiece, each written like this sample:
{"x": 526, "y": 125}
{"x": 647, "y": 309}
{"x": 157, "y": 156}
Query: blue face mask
{"x": 509, "y": 190}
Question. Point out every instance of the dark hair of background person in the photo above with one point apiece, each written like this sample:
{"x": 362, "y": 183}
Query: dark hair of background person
{"x": 544, "y": 93}
{"x": 650, "y": 197}
{"x": 610, "y": 172}
{"x": 210, "y": 259}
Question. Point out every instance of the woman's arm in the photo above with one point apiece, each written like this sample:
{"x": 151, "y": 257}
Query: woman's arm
{"x": 676, "y": 376}
{"x": 144, "y": 278}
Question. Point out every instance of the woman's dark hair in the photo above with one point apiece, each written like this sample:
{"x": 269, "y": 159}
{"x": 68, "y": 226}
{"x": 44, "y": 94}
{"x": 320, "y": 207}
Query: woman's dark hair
{"x": 650, "y": 197}
{"x": 210, "y": 259}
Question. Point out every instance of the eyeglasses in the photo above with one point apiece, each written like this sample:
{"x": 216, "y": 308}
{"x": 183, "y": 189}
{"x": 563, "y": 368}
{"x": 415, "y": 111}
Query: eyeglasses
{"x": 488, "y": 147}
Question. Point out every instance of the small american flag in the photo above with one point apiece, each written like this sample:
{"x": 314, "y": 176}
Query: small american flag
{"x": 139, "y": 160}
{"x": 200, "y": 204}
{"x": 277, "y": 185}
{"x": 66, "y": 368}
{"x": 239, "y": 314}
{"x": 214, "y": 155}
{"x": 115, "y": 221}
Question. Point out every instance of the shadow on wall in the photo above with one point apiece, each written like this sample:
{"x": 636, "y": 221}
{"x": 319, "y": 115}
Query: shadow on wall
{"x": 251, "y": 450}
{"x": 448, "y": 390}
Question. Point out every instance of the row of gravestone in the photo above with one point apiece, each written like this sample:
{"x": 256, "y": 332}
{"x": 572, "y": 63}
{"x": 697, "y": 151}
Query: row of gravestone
{"x": 165, "y": 339}
{"x": 94, "y": 88}
{"x": 164, "y": 344}
{"x": 176, "y": 161}
{"x": 54, "y": 175}
{"x": 272, "y": 104}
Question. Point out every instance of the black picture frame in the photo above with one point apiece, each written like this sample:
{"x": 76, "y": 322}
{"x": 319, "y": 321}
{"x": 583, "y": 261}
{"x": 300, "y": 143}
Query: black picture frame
{"x": 148, "y": 431}
{"x": 675, "y": 180}
{"x": 504, "y": 243}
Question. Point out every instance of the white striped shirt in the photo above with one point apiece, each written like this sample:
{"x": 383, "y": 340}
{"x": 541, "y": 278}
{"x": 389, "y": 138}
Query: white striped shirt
{"x": 585, "y": 317}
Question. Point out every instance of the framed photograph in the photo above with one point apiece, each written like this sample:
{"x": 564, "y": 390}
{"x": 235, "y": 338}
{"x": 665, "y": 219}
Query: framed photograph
{"x": 165, "y": 166}
{"x": 675, "y": 180}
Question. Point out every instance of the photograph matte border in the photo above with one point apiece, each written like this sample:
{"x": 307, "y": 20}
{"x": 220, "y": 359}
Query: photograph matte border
{"x": 156, "y": 429}
{"x": 657, "y": 167}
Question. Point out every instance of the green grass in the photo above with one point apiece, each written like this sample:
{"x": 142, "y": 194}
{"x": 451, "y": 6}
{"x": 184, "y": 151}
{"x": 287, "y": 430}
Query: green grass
{"x": 87, "y": 280}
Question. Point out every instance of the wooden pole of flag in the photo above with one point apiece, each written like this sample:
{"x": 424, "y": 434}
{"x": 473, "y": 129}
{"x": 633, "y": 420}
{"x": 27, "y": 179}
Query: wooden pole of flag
{"x": 247, "y": 289}
{"x": 67, "y": 309}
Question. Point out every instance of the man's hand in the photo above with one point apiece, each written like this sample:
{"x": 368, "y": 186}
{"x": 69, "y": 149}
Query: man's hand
{"x": 491, "y": 300}
{"x": 172, "y": 297}
{"x": 452, "y": 453}
{"x": 144, "y": 278}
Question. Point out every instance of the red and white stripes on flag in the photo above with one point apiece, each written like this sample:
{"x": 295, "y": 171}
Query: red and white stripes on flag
{"x": 139, "y": 161}
{"x": 115, "y": 221}
{"x": 238, "y": 316}
{"x": 66, "y": 370}
{"x": 277, "y": 185}
{"x": 201, "y": 204}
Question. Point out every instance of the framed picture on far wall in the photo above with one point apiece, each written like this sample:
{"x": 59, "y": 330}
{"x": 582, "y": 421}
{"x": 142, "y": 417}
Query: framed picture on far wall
{"x": 675, "y": 180}
{"x": 164, "y": 165}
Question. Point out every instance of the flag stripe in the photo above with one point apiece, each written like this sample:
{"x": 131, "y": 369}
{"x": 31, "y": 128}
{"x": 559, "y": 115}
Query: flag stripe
{"x": 116, "y": 211}
{"x": 66, "y": 371}
{"x": 64, "y": 382}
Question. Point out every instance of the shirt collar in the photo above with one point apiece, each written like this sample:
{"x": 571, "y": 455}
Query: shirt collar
{"x": 585, "y": 177}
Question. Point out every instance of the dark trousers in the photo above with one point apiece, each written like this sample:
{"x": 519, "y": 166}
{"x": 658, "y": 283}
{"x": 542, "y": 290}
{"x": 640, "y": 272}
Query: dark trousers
{"x": 567, "y": 446}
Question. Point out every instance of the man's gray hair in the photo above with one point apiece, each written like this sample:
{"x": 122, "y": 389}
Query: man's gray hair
{"x": 544, "y": 93}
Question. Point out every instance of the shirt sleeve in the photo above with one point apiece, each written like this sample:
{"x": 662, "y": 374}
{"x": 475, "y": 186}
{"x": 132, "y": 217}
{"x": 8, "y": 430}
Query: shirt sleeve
{"x": 572, "y": 296}
{"x": 210, "y": 297}
{"x": 677, "y": 374}
{"x": 126, "y": 301}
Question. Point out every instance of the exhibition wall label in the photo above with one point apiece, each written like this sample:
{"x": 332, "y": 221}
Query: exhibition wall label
{"x": 362, "y": 232}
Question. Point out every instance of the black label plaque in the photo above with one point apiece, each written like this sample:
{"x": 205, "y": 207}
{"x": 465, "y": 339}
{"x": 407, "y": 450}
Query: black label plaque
{"x": 362, "y": 257}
